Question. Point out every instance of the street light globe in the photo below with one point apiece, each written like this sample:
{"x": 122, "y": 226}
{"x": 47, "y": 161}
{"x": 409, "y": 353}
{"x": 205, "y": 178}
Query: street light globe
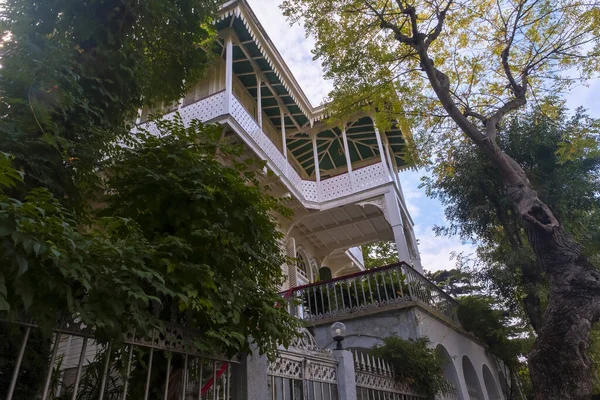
{"x": 338, "y": 332}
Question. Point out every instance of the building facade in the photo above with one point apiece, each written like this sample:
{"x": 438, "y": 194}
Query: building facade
{"x": 342, "y": 183}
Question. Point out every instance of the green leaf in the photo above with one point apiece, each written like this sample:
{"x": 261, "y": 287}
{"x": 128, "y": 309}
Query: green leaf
{"x": 23, "y": 265}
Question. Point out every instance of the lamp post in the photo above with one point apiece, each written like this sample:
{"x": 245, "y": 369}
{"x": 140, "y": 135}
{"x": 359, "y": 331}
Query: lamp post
{"x": 338, "y": 332}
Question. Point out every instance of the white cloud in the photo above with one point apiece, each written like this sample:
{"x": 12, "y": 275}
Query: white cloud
{"x": 586, "y": 96}
{"x": 436, "y": 251}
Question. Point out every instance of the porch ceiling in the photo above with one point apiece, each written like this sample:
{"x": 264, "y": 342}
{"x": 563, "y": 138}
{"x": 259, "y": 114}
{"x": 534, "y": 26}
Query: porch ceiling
{"x": 343, "y": 227}
{"x": 362, "y": 146}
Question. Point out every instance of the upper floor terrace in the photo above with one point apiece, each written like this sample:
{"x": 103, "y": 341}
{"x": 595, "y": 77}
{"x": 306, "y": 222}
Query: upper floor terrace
{"x": 250, "y": 88}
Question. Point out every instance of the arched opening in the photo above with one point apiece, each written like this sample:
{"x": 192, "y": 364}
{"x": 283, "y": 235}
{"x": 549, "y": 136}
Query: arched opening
{"x": 325, "y": 274}
{"x": 471, "y": 379}
{"x": 504, "y": 383}
{"x": 302, "y": 268}
{"x": 451, "y": 391}
{"x": 490, "y": 384}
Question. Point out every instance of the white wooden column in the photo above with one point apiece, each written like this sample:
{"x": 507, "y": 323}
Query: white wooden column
{"x": 258, "y": 101}
{"x": 394, "y": 217}
{"x": 348, "y": 160}
{"x": 228, "y": 72}
{"x": 316, "y": 156}
{"x": 391, "y": 165}
{"x": 283, "y": 138}
{"x": 386, "y": 170}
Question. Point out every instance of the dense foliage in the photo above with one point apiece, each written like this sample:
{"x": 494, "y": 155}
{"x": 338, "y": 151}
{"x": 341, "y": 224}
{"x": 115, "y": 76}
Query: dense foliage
{"x": 379, "y": 254}
{"x": 212, "y": 229}
{"x": 480, "y": 315}
{"x": 456, "y": 282}
{"x": 414, "y": 362}
{"x": 74, "y": 72}
{"x": 561, "y": 155}
{"x": 562, "y": 159}
{"x": 505, "y": 336}
{"x": 119, "y": 231}
{"x": 185, "y": 238}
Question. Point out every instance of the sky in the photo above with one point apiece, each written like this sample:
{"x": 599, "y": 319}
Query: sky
{"x": 295, "y": 48}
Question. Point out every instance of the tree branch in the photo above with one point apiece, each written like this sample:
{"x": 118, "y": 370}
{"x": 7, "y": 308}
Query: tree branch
{"x": 491, "y": 123}
{"x": 440, "y": 82}
{"x": 440, "y": 24}
{"x": 516, "y": 88}
{"x": 470, "y": 113}
{"x": 385, "y": 24}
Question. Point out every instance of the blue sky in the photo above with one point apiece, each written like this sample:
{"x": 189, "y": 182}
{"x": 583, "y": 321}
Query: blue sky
{"x": 426, "y": 213}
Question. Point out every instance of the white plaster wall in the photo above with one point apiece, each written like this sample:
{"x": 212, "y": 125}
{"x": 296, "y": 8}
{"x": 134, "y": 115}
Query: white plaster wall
{"x": 368, "y": 331}
{"x": 458, "y": 345}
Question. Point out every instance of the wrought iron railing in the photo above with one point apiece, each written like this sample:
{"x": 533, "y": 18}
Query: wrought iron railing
{"x": 366, "y": 290}
{"x": 163, "y": 365}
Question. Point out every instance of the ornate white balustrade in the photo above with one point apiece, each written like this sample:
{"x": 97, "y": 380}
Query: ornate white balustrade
{"x": 375, "y": 379}
{"x": 371, "y": 289}
{"x": 215, "y": 106}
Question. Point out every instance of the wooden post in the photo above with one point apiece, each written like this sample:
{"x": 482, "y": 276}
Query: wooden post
{"x": 259, "y": 101}
{"x": 228, "y": 72}
{"x": 316, "y": 156}
{"x": 382, "y": 153}
{"x": 347, "y": 154}
{"x": 283, "y": 139}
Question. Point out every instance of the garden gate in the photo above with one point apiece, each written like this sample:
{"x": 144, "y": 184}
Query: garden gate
{"x": 303, "y": 372}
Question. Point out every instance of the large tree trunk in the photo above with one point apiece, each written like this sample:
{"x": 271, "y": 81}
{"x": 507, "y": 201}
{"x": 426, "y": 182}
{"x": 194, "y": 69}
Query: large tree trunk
{"x": 559, "y": 363}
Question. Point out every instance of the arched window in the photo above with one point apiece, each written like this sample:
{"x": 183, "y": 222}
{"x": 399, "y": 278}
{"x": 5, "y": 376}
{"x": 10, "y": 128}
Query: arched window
{"x": 302, "y": 265}
{"x": 471, "y": 379}
{"x": 490, "y": 384}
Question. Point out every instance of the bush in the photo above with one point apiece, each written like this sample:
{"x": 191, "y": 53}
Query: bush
{"x": 414, "y": 363}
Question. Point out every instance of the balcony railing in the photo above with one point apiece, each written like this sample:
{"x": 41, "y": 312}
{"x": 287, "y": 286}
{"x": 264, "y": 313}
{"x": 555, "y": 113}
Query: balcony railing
{"x": 215, "y": 106}
{"x": 368, "y": 290}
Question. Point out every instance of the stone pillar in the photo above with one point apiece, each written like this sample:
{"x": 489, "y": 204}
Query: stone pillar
{"x": 250, "y": 379}
{"x": 346, "y": 375}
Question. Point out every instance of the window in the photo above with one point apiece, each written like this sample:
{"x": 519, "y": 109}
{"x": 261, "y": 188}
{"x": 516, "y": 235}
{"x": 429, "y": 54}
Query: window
{"x": 302, "y": 265}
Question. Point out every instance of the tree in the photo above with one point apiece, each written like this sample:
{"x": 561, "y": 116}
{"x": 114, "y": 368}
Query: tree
{"x": 505, "y": 336}
{"x": 415, "y": 363}
{"x": 463, "y": 67}
{"x": 212, "y": 228}
{"x": 566, "y": 177}
{"x": 455, "y": 282}
{"x": 379, "y": 254}
{"x": 488, "y": 316}
{"x": 73, "y": 75}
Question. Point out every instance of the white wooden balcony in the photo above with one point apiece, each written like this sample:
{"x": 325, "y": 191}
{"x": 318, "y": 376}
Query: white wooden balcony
{"x": 216, "y": 109}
